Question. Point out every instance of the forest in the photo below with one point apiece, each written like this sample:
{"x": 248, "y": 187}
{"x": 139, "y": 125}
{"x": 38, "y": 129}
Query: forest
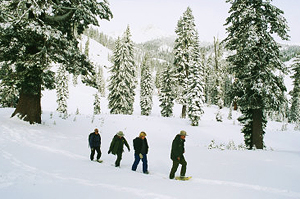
{"x": 245, "y": 71}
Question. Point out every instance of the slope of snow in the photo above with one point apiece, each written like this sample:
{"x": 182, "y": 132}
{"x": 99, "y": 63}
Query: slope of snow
{"x": 141, "y": 34}
{"x": 51, "y": 160}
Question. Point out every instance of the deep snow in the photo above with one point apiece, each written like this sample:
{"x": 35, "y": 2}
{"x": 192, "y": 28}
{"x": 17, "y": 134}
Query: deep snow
{"x": 51, "y": 160}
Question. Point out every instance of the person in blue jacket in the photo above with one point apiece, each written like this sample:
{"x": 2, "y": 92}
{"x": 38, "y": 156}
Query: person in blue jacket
{"x": 95, "y": 143}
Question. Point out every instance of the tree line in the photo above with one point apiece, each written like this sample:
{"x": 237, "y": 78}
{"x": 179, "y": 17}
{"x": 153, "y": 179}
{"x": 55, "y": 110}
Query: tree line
{"x": 244, "y": 70}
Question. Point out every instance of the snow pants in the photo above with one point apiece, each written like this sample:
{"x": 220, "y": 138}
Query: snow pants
{"x": 93, "y": 153}
{"x": 119, "y": 158}
{"x": 175, "y": 167}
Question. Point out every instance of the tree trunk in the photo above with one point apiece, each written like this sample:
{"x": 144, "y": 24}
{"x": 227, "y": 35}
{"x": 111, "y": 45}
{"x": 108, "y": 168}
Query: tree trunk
{"x": 183, "y": 111}
{"x": 257, "y": 130}
{"x": 29, "y": 107}
{"x": 235, "y": 106}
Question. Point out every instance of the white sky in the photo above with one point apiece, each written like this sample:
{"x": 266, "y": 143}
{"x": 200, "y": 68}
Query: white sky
{"x": 210, "y": 15}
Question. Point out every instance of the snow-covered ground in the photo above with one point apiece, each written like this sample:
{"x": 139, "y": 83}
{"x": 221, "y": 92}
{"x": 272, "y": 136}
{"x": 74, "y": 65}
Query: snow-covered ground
{"x": 51, "y": 160}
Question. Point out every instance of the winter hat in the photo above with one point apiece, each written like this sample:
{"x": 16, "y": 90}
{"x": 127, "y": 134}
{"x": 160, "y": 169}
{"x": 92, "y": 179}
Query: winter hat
{"x": 182, "y": 132}
{"x": 143, "y": 134}
{"x": 120, "y": 133}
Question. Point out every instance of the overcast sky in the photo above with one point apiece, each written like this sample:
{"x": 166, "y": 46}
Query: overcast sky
{"x": 210, "y": 15}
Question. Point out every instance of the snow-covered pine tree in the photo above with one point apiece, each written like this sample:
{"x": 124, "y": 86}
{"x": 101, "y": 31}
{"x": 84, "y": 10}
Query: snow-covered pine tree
{"x": 183, "y": 55}
{"x": 167, "y": 94}
{"x": 87, "y": 47}
{"x": 158, "y": 78}
{"x": 218, "y": 78}
{"x": 255, "y": 62}
{"x": 62, "y": 91}
{"x": 294, "y": 115}
{"x": 146, "y": 87}
{"x": 99, "y": 79}
{"x": 129, "y": 64}
{"x": 204, "y": 60}
{"x": 122, "y": 82}
{"x": 34, "y": 34}
{"x": 218, "y": 72}
{"x": 195, "y": 94}
{"x": 229, "y": 117}
{"x": 116, "y": 86}
{"x": 97, "y": 108}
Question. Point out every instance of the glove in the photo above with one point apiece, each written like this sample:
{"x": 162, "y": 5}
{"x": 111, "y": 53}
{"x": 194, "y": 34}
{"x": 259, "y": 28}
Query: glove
{"x": 109, "y": 152}
{"x": 92, "y": 149}
{"x": 141, "y": 156}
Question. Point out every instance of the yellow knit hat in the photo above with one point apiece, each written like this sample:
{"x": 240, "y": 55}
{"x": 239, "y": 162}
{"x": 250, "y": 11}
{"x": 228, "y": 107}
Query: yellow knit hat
{"x": 143, "y": 134}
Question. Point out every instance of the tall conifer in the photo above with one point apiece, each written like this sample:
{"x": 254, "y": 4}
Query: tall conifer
{"x": 167, "y": 94}
{"x": 122, "y": 82}
{"x": 195, "y": 94}
{"x": 183, "y": 55}
{"x": 146, "y": 87}
{"x": 255, "y": 62}
{"x": 294, "y": 115}
{"x": 62, "y": 91}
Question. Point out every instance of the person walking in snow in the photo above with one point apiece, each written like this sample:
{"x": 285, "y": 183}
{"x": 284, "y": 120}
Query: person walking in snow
{"x": 95, "y": 143}
{"x": 141, "y": 147}
{"x": 177, "y": 152}
{"x": 117, "y": 145}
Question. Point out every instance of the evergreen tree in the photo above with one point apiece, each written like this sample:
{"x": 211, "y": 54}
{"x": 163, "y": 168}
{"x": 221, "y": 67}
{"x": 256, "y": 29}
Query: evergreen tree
{"x": 62, "y": 91}
{"x": 87, "y": 47}
{"x": 229, "y": 117}
{"x": 146, "y": 87}
{"x": 167, "y": 94}
{"x": 98, "y": 78}
{"x": 195, "y": 94}
{"x": 123, "y": 77}
{"x": 34, "y": 34}
{"x": 294, "y": 115}
{"x": 183, "y": 55}
{"x": 254, "y": 62}
{"x": 218, "y": 79}
{"x": 218, "y": 74}
{"x": 205, "y": 62}
{"x": 158, "y": 78}
{"x": 97, "y": 108}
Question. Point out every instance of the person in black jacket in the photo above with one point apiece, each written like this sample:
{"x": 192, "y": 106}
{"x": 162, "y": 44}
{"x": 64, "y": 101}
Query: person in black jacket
{"x": 117, "y": 145}
{"x": 95, "y": 143}
{"x": 141, "y": 147}
{"x": 177, "y": 157}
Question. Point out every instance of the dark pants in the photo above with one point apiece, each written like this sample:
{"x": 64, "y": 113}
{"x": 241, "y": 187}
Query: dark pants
{"x": 119, "y": 158}
{"x": 93, "y": 153}
{"x": 175, "y": 166}
{"x": 137, "y": 161}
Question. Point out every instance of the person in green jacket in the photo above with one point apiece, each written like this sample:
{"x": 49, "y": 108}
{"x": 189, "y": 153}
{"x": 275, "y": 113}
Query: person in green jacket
{"x": 177, "y": 157}
{"x": 117, "y": 145}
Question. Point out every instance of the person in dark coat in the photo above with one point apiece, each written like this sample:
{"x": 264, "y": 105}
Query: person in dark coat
{"x": 95, "y": 143}
{"x": 117, "y": 145}
{"x": 141, "y": 147}
{"x": 177, "y": 157}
